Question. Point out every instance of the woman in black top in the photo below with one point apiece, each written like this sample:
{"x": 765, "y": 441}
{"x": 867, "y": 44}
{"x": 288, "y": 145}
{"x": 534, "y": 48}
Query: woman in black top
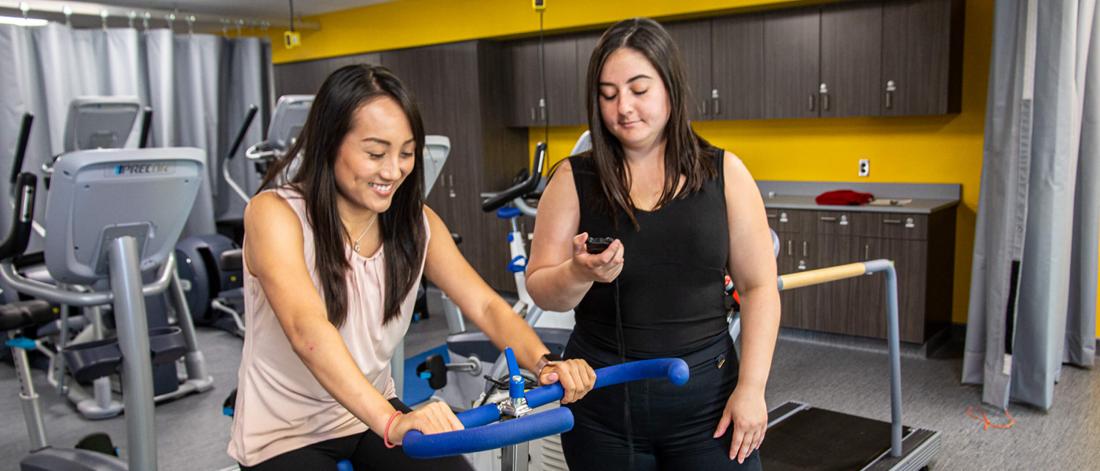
{"x": 689, "y": 213}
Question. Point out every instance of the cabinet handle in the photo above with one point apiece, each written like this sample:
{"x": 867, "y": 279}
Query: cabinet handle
{"x": 801, "y": 264}
{"x": 891, "y": 221}
{"x": 843, "y": 219}
{"x": 891, "y": 87}
{"x": 790, "y": 248}
{"x": 783, "y": 217}
{"x": 451, "y": 183}
{"x": 805, "y": 246}
{"x": 866, "y": 251}
{"x": 717, "y": 101}
{"x": 828, "y": 218}
{"x": 532, "y": 114}
{"x": 542, "y": 109}
{"x": 772, "y": 216}
{"x": 909, "y": 223}
{"x": 705, "y": 107}
{"x": 812, "y": 100}
{"x": 825, "y": 102}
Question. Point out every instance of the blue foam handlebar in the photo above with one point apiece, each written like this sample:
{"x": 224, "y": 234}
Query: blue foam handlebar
{"x": 482, "y": 434}
{"x": 488, "y": 437}
{"x": 675, "y": 369}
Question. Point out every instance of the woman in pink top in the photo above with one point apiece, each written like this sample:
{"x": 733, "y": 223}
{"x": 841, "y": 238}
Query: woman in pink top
{"x": 332, "y": 260}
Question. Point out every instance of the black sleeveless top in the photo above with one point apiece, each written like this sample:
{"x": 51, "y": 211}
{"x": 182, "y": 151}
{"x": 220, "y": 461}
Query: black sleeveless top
{"x": 671, "y": 287}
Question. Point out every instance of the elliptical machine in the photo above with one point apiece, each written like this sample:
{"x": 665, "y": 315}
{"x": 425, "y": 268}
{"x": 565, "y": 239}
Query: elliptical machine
{"x": 100, "y": 123}
{"x": 110, "y": 219}
{"x": 211, "y": 263}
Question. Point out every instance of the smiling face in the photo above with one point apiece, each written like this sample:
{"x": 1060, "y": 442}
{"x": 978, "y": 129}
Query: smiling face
{"x": 376, "y": 155}
{"x": 634, "y": 102}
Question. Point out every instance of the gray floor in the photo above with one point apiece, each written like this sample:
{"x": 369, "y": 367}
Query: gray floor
{"x": 192, "y": 434}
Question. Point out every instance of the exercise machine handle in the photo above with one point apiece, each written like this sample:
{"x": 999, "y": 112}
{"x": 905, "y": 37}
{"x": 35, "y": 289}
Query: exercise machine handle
{"x": 21, "y": 146}
{"x": 247, "y": 123}
{"x": 522, "y": 188}
{"x": 482, "y": 433}
{"x": 22, "y": 217}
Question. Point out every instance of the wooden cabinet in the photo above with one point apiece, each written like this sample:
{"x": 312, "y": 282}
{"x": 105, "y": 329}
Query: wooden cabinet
{"x": 737, "y": 72}
{"x": 693, "y": 39}
{"x": 305, "y": 78}
{"x": 860, "y": 58}
{"x": 791, "y": 83}
{"x": 921, "y": 247}
{"x": 921, "y": 57}
{"x": 585, "y": 44}
{"x": 530, "y": 106}
{"x": 851, "y": 59}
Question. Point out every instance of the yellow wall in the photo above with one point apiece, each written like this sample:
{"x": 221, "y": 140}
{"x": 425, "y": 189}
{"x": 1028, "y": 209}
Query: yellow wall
{"x": 942, "y": 149}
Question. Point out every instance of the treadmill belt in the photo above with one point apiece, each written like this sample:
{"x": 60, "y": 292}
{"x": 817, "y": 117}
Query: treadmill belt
{"x": 819, "y": 439}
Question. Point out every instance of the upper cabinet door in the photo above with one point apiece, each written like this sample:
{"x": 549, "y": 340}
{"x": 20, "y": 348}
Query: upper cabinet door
{"x": 738, "y": 68}
{"x": 561, "y": 84}
{"x": 693, "y": 40}
{"x": 523, "y": 78}
{"x": 586, "y": 45}
{"x": 791, "y": 70}
{"x": 919, "y": 66}
{"x": 851, "y": 57}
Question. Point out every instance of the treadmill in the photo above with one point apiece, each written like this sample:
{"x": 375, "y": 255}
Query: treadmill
{"x": 803, "y": 437}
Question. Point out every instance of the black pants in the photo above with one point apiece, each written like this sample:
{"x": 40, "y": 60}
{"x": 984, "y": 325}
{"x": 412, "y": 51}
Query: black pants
{"x": 366, "y": 451}
{"x": 673, "y": 426}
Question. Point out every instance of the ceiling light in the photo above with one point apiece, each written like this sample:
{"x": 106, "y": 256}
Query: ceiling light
{"x": 11, "y": 20}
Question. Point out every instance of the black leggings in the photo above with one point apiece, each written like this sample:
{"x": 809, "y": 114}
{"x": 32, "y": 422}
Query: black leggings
{"x": 673, "y": 426}
{"x": 366, "y": 451}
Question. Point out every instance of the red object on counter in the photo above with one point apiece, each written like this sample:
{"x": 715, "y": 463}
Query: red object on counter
{"x": 844, "y": 198}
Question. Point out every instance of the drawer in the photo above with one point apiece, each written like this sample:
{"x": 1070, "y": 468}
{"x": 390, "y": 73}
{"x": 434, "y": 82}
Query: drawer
{"x": 897, "y": 226}
{"x": 838, "y": 222}
{"x": 789, "y": 220}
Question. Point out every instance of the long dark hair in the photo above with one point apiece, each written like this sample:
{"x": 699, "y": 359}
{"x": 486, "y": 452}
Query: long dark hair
{"x": 329, "y": 121}
{"x": 683, "y": 150}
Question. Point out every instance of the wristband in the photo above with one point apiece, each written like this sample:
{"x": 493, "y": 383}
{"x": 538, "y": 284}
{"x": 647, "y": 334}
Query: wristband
{"x": 386, "y": 434}
{"x": 545, "y": 360}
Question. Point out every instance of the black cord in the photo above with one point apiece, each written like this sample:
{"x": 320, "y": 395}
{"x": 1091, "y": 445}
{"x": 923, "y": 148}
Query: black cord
{"x": 626, "y": 388}
{"x": 542, "y": 74}
{"x": 291, "y": 16}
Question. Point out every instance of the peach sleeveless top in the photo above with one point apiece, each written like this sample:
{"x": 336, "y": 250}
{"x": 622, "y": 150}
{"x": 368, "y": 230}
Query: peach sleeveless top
{"x": 280, "y": 405}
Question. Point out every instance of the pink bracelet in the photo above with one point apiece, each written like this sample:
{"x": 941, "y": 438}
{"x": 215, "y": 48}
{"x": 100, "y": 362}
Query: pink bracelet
{"x": 386, "y": 434}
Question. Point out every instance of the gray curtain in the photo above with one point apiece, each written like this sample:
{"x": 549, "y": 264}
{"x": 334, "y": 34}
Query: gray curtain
{"x": 194, "y": 84}
{"x": 1033, "y": 287}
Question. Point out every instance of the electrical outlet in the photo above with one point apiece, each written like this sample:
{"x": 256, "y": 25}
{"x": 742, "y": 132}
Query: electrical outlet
{"x": 864, "y": 167}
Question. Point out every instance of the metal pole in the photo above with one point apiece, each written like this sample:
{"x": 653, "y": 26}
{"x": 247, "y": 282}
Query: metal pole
{"x": 133, "y": 341}
{"x": 514, "y": 457}
{"x": 27, "y": 395}
{"x": 196, "y": 364}
{"x": 895, "y": 360}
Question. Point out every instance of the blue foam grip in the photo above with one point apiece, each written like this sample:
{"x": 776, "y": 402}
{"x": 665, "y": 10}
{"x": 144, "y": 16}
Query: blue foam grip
{"x": 488, "y": 437}
{"x": 675, "y": 369}
{"x": 517, "y": 264}
{"x": 344, "y": 465}
{"x": 227, "y": 411}
{"x": 515, "y": 378}
{"x": 477, "y": 417}
{"x": 21, "y": 343}
{"x": 508, "y": 212}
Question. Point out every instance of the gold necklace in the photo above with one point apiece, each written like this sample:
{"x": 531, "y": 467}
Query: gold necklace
{"x": 355, "y": 245}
